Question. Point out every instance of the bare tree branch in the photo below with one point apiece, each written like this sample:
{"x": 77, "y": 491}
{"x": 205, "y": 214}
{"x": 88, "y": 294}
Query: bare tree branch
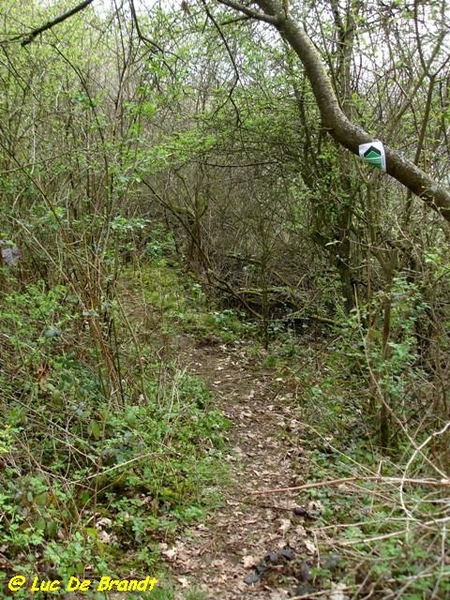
{"x": 141, "y": 36}
{"x": 233, "y": 62}
{"x": 254, "y": 14}
{"x": 33, "y": 34}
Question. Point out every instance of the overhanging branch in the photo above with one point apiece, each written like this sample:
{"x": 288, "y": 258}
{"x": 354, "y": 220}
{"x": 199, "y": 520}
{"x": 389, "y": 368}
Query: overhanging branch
{"x": 334, "y": 120}
{"x": 249, "y": 12}
{"x": 33, "y": 34}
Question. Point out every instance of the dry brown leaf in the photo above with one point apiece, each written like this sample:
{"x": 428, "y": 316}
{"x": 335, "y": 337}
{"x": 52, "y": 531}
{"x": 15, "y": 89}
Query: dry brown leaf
{"x": 104, "y": 521}
{"x": 183, "y": 581}
{"x": 170, "y": 553}
{"x": 315, "y": 506}
{"x": 104, "y": 537}
{"x": 310, "y": 546}
{"x": 249, "y": 561}
{"x": 285, "y": 525}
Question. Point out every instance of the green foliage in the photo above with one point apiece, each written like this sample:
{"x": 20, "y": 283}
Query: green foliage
{"x": 118, "y": 162}
{"x": 388, "y": 544}
{"x": 182, "y": 303}
{"x": 85, "y": 480}
{"x": 381, "y": 345}
{"x": 389, "y": 534}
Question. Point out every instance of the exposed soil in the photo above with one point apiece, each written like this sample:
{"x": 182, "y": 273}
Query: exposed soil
{"x": 255, "y": 546}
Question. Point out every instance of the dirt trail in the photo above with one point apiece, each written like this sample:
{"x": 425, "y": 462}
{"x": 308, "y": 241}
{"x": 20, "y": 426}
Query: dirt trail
{"x": 219, "y": 556}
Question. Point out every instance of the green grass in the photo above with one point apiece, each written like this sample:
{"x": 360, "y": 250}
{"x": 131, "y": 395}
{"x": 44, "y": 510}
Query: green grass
{"x": 181, "y": 306}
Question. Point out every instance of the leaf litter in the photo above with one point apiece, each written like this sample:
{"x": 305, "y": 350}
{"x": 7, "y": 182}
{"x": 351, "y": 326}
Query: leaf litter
{"x": 248, "y": 549}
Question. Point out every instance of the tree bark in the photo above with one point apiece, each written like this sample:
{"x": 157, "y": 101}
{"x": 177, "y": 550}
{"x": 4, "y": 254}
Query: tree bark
{"x": 333, "y": 118}
{"x": 33, "y": 34}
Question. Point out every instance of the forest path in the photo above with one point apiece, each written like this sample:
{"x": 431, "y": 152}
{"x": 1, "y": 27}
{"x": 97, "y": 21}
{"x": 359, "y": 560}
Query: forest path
{"x": 220, "y": 555}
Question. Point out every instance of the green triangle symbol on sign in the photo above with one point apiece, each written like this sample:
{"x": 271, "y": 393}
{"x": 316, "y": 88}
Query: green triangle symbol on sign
{"x": 373, "y": 156}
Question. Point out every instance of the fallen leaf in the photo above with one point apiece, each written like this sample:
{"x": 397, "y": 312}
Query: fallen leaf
{"x": 249, "y": 561}
{"x": 272, "y": 557}
{"x": 103, "y": 522}
{"x": 251, "y": 578}
{"x": 104, "y": 537}
{"x": 315, "y": 506}
{"x": 285, "y": 525}
{"x": 337, "y": 591}
{"x": 170, "y": 553}
{"x": 300, "y": 531}
{"x": 310, "y": 547}
{"x": 287, "y": 553}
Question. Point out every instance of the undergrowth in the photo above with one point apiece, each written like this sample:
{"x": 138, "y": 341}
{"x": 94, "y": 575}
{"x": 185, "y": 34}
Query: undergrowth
{"x": 93, "y": 476}
{"x": 108, "y": 446}
{"x": 382, "y": 513}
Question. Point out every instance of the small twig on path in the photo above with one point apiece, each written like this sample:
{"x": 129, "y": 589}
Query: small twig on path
{"x": 375, "y": 478}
